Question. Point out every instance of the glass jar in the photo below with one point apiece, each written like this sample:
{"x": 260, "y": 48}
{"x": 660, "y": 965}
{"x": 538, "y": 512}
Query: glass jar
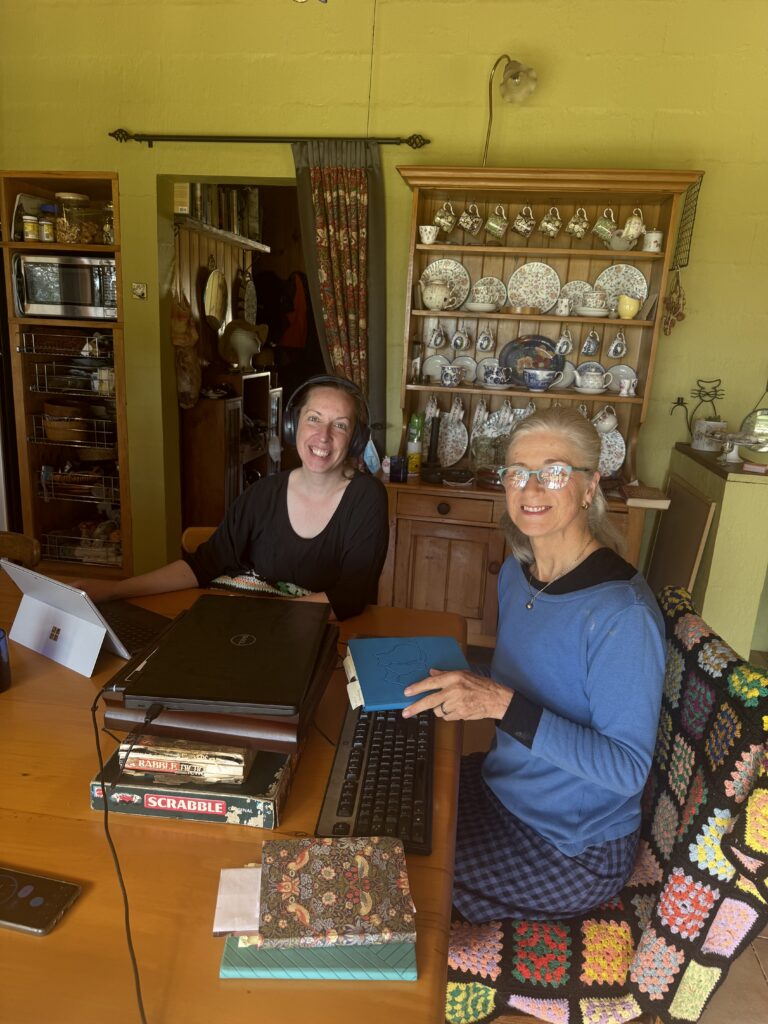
{"x": 69, "y": 207}
{"x": 108, "y": 231}
{"x": 45, "y": 229}
{"x": 30, "y": 228}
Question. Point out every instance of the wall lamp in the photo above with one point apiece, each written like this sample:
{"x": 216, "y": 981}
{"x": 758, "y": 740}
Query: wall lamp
{"x": 517, "y": 83}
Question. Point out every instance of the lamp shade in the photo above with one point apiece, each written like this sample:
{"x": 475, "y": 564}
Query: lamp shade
{"x": 518, "y": 82}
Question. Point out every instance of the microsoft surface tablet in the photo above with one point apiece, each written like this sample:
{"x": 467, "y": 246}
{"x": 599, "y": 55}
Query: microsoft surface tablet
{"x": 63, "y": 623}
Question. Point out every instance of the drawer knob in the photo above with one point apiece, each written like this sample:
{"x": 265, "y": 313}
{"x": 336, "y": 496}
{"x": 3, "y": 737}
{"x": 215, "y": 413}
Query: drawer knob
{"x": 443, "y": 508}
{"x": 493, "y": 568}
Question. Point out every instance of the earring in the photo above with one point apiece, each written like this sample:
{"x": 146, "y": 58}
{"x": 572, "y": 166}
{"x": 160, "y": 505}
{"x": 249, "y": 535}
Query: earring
{"x": 585, "y": 505}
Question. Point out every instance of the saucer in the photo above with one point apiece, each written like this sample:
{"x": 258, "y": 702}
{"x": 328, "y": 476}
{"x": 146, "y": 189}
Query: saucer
{"x": 590, "y": 391}
{"x": 591, "y": 311}
{"x": 497, "y": 387}
{"x": 480, "y": 307}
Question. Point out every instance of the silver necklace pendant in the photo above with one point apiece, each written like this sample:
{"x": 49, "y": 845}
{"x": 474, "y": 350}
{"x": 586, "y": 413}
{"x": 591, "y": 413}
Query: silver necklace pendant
{"x": 529, "y": 605}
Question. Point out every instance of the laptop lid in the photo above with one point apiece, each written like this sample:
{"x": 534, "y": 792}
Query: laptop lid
{"x": 232, "y": 655}
{"x": 60, "y": 621}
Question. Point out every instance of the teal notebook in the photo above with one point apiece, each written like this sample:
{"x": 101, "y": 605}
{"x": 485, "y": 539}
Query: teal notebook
{"x": 390, "y": 961}
{"x": 379, "y": 668}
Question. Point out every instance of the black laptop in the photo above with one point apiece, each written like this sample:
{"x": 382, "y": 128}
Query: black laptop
{"x": 232, "y": 655}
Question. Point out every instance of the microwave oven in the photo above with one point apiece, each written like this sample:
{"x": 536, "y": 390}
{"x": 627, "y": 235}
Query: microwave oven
{"x": 77, "y": 287}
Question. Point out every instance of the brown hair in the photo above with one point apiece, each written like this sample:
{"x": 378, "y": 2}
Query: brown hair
{"x": 582, "y": 437}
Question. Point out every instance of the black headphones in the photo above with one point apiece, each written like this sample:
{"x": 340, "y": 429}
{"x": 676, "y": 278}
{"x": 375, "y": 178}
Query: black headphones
{"x": 362, "y": 432}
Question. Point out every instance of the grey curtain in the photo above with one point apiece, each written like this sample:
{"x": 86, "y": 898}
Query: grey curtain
{"x": 341, "y": 212}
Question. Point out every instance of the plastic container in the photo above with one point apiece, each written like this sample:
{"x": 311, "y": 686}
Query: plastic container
{"x": 30, "y": 228}
{"x": 69, "y": 209}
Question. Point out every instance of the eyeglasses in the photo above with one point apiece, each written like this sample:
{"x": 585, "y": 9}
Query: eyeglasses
{"x": 553, "y": 478}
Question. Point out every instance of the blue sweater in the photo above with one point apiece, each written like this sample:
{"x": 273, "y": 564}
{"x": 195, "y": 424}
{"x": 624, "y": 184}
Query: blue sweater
{"x": 594, "y": 659}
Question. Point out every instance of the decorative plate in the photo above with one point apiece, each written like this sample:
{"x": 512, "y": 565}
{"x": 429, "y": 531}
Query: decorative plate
{"x": 622, "y": 371}
{"x": 531, "y": 351}
{"x": 455, "y": 275}
{"x": 591, "y": 367}
{"x": 468, "y": 364}
{"x": 574, "y": 290}
{"x": 613, "y": 451}
{"x": 493, "y": 287}
{"x": 432, "y": 366}
{"x": 452, "y": 442}
{"x": 534, "y": 284}
{"x": 569, "y": 374}
{"x": 623, "y": 279}
{"x": 483, "y": 364}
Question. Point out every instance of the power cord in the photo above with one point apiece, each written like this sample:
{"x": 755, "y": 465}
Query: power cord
{"x": 152, "y": 712}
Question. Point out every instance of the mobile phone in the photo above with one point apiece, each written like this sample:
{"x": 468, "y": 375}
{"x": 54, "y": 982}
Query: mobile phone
{"x": 33, "y": 903}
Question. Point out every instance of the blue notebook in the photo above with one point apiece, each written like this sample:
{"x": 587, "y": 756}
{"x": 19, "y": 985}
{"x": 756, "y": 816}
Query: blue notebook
{"x": 379, "y": 668}
{"x": 390, "y": 961}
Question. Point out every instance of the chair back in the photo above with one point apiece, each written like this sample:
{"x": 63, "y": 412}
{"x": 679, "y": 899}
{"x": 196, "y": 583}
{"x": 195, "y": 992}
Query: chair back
{"x": 193, "y": 537}
{"x": 18, "y": 547}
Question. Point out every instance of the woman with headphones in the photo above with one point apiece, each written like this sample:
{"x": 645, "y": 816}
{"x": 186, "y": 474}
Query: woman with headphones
{"x": 319, "y": 531}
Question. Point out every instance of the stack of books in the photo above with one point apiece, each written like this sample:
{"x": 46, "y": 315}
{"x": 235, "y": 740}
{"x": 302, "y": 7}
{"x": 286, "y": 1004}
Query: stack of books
{"x": 209, "y": 765}
{"x": 320, "y": 908}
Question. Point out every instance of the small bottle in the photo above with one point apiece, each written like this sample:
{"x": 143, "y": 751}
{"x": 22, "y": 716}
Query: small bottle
{"x": 30, "y": 227}
{"x": 413, "y": 447}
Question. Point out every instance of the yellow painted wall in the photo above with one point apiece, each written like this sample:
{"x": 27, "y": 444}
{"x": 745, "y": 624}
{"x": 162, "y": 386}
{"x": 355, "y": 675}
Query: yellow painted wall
{"x": 622, "y": 83}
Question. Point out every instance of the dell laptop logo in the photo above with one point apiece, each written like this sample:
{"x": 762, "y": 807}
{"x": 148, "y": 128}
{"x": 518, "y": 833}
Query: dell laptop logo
{"x": 243, "y": 639}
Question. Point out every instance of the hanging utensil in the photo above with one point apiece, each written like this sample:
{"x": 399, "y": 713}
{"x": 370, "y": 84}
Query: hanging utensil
{"x": 215, "y": 299}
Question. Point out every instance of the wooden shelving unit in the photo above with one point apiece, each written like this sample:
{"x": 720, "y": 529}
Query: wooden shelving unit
{"x": 443, "y": 534}
{"x": 74, "y": 475}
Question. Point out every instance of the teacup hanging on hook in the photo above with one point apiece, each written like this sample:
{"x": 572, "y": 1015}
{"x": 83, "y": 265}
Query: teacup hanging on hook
{"x": 618, "y": 347}
{"x": 564, "y": 344}
{"x": 591, "y": 345}
{"x": 437, "y": 338}
{"x": 634, "y": 226}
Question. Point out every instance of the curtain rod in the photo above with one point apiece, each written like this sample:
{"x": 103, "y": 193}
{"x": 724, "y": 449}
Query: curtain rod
{"x": 123, "y": 135}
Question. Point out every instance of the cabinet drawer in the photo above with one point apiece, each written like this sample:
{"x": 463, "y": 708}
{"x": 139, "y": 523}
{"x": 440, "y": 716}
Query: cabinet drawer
{"x": 437, "y": 506}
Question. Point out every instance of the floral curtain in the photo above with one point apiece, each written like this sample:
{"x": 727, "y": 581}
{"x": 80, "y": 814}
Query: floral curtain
{"x": 342, "y": 220}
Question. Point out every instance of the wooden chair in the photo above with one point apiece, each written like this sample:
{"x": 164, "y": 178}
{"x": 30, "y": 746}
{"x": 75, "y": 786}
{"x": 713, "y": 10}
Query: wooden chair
{"x": 699, "y": 890}
{"x": 18, "y": 547}
{"x": 193, "y": 537}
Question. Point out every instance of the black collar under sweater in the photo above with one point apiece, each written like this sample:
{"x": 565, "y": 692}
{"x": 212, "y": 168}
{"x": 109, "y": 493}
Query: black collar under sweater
{"x": 602, "y": 566}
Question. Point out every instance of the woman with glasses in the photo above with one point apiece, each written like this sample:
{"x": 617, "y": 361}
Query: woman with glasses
{"x": 549, "y": 818}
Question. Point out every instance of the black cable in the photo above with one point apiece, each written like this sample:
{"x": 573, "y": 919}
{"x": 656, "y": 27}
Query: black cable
{"x": 152, "y": 712}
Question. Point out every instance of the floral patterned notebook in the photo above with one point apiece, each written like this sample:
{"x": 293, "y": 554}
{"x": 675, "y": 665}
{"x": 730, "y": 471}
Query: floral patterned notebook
{"x": 322, "y": 892}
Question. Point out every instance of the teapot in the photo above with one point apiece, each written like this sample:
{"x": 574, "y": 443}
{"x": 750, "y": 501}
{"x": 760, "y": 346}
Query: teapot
{"x": 593, "y": 380}
{"x": 435, "y": 294}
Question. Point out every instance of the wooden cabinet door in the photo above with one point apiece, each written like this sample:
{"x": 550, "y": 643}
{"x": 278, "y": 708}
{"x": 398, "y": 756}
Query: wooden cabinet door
{"x": 211, "y": 470}
{"x": 442, "y": 567}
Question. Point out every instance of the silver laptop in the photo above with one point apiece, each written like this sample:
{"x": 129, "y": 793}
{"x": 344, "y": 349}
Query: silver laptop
{"x": 63, "y": 623}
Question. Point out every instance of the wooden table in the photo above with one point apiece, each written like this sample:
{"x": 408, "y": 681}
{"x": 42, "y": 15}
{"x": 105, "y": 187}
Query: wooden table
{"x": 80, "y": 972}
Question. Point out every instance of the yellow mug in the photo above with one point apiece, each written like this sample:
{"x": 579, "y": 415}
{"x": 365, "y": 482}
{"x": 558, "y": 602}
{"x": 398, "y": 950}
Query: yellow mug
{"x": 628, "y": 307}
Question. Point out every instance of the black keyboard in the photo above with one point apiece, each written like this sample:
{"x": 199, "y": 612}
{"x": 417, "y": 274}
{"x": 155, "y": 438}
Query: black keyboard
{"x": 136, "y": 627}
{"x": 381, "y": 780}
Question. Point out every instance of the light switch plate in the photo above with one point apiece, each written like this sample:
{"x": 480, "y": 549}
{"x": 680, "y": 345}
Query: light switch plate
{"x": 139, "y": 289}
